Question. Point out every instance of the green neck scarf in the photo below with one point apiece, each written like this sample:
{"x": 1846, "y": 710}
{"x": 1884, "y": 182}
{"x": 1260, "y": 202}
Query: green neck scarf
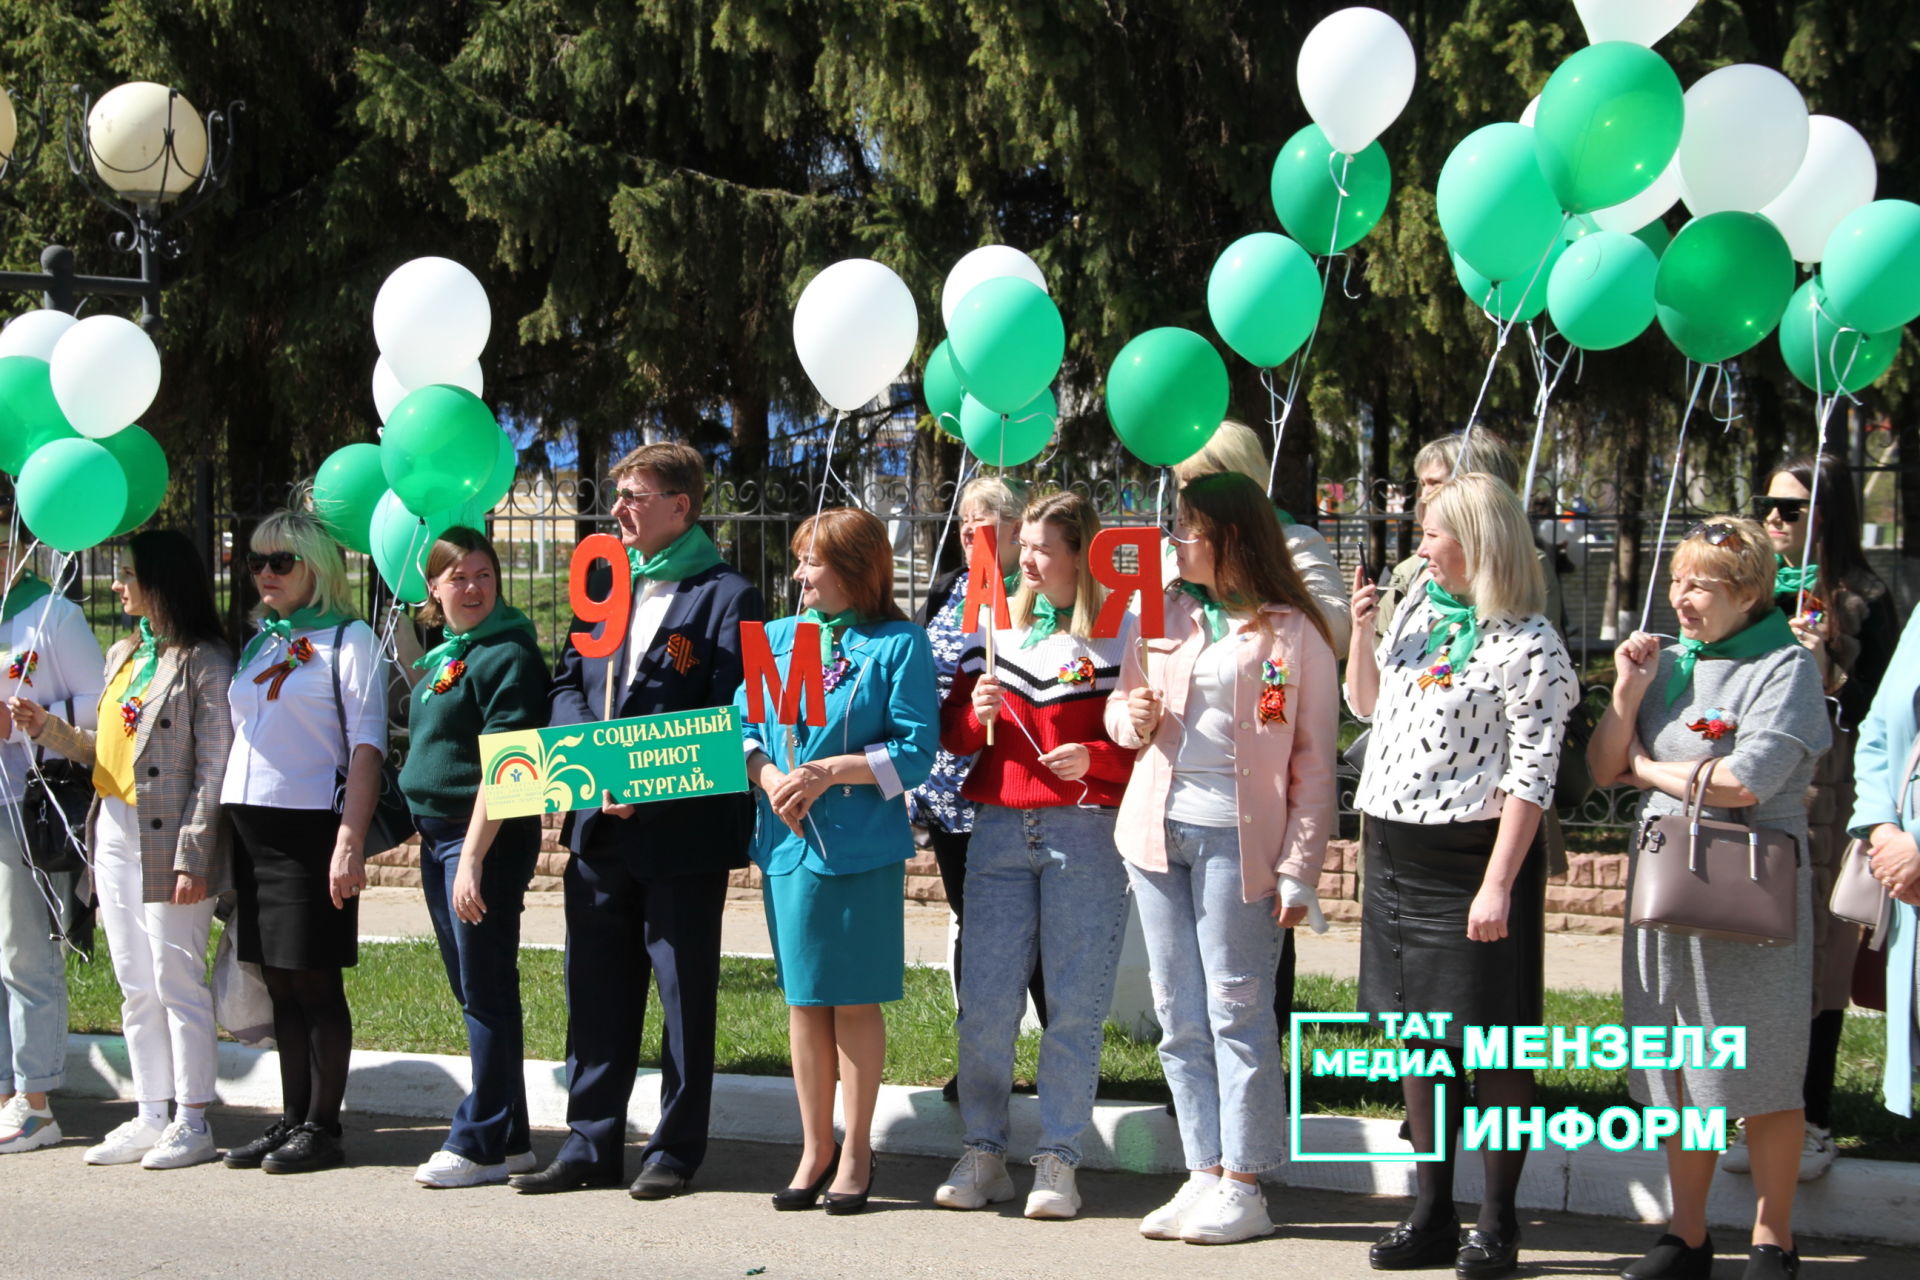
{"x": 146, "y": 660}
{"x": 1284, "y": 516}
{"x": 1216, "y": 613}
{"x": 1770, "y": 633}
{"x": 829, "y": 628}
{"x": 272, "y": 626}
{"x": 1788, "y": 580}
{"x": 1046, "y": 620}
{"x": 440, "y": 659}
{"x": 690, "y": 553}
{"x": 29, "y": 590}
{"x": 1458, "y": 630}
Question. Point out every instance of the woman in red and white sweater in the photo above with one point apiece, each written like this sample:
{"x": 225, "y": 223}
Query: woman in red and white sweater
{"x": 1042, "y": 870}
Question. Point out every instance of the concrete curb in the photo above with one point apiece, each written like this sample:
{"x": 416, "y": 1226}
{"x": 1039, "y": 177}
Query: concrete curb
{"x": 1858, "y": 1199}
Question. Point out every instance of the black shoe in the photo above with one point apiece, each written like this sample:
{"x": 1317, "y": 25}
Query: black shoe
{"x": 1408, "y": 1248}
{"x": 1485, "y": 1254}
{"x": 794, "y": 1198}
{"x": 950, "y": 1091}
{"x": 1672, "y": 1259}
{"x": 250, "y": 1156}
{"x": 307, "y": 1148}
{"x": 1771, "y": 1262}
{"x": 657, "y": 1182}
{"x": 562, "y": 1175}
{"x": 838, "y": 1203}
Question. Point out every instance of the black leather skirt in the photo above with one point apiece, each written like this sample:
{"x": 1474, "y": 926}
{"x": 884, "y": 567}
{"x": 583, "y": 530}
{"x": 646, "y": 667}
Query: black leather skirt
{"x": 1415, "y": 956}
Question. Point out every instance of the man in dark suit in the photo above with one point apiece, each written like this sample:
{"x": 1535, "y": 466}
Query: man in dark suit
{"x": 647, "y": 884}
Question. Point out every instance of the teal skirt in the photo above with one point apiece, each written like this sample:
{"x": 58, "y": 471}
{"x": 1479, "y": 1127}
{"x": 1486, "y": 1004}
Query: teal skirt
{"x": 838, "y": 940}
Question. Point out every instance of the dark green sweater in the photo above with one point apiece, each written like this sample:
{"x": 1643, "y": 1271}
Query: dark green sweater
{"x": 504, "y": 688}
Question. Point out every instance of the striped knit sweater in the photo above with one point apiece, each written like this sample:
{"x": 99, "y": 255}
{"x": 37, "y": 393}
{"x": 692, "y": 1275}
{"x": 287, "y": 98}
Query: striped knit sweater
{"x": 1056, "y": 692}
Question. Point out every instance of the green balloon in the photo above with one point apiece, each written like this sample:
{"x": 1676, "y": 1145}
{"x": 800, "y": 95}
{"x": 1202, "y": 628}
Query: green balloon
{"x": 144, "y": 463}
{"x": 1601, "y": 290}
{"x": 1494, "y": 204}
{"x": 1007, "y": 341}
{"x": 506, "y": 469}
{"x": 1871, "y": 272}
{"x": 1308, "y": 176}
{"x": 71, "y": 494}
{"x": 1825, "y": 356}
{"x": 1723, "y": 284}
{"x": 941, "y": 391}
{"x": 1009, "y": 440}
{"x": 1166, "y": 394}
{"x": 346, "y": 489}
{"x": 1609, "y": 122}
{"x": 401, "y": 541}
{"x": 439, "y": 447}
{"x": 29, "y": 415}
{"x": 1522, "y": 298}
{"x": 1264, "y": 297}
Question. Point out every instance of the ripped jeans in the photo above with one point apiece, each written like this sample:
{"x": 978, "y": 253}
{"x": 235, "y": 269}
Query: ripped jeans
{"x": 1212, "y": 958}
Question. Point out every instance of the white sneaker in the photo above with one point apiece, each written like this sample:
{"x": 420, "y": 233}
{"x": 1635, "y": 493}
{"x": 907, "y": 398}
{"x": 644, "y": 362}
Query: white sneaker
{"x": 1816, "y": 1153}
{"x": 1166, "y": 1222}
{"x": 451, "y": 1169}
{"x": 979, "y": 1178}
{"x": 524, "y": 1162}
{"x": 1232, "y": 1212}
{"x": 127, "y": 1144}
{"x": 1053, "y": 1194}
{"x": 1736, "y": 1158}
{"x": 181, "y": 1146}
{"x": 24, "y": 1129}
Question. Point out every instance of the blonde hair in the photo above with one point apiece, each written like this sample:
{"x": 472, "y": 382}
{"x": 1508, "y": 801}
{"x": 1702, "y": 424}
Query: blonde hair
{"x": 1486, "y": 454}
{"x": 1503, "y": 566}
{"x": 1074, "y": 517}
{"x": 302, "y": 533}
{"x": 1744, "y": 561}
{"x": 1232, "y": 447}
{"x": 1003, "y": 498}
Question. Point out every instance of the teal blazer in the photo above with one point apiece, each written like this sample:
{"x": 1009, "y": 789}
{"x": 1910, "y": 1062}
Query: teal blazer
{"x": 885, "y": 707}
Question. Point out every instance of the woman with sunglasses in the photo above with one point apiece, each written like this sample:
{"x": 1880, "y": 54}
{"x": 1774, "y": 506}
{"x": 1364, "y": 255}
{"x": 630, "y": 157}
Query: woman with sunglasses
{"x": 1736, "y": 688}
{"x": 300, "y": 830}
{"x": 161, "y": 847}
{"x": 1845, "y": 616}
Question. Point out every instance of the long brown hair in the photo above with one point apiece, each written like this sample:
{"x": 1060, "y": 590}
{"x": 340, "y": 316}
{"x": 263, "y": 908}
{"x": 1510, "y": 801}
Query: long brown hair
{"x": 854, "y": 545}
{"x": 1074, "y": 517}
{"x": 1251, "y": 563}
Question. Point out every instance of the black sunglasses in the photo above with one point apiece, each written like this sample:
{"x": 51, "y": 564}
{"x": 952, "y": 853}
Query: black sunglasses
{"x": 1716, "y": 535}
{"x": 281, "y": 562}
{"x": 1790, "y": 509}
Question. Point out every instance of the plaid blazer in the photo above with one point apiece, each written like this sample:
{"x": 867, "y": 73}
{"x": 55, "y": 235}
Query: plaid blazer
{"x": 179, "y": 761}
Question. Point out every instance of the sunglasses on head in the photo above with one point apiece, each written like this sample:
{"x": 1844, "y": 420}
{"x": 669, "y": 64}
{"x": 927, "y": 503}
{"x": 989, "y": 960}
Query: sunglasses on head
{"x": 281, "y": 562}
{"x": 1716, "y": 535}
{"x": 1790, "y": 509}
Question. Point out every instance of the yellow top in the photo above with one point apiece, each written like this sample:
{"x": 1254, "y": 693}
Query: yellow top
{"x": 112, "y": 744}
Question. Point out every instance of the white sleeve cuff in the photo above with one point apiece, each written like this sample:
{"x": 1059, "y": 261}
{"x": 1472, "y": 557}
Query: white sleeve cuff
{"x": 1295, "y": 892}
{"x": 883, "y": 771}
{"x": 752, "y": 745}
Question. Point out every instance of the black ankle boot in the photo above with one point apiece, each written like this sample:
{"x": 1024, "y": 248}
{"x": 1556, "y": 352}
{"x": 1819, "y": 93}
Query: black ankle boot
{"x": 1771, "y": 1262}
{"x": 1671, "y": 1258}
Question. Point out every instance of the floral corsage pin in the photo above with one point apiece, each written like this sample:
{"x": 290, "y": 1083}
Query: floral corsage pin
{"x": 449, "y": 676}
{"x": 1273, "y": 694}
{"x": 1714, "y": 725}
{"x": 830, "y": 678}
{"x": 22, "y": 666}
{"x": 1079, "y": 671}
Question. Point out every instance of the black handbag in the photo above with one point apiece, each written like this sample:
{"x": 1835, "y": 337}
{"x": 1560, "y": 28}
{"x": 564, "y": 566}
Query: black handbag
{"x": 54, "y": 812}
{"x": 392, "y": 822}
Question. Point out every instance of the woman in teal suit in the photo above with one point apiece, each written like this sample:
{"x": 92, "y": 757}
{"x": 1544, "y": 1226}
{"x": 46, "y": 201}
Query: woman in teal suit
{"x": 832, "y": 838}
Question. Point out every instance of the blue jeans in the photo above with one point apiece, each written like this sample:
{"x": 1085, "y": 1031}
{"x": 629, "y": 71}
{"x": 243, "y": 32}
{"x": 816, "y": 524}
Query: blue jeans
{"x": 33, "y": 975}
{"x": 1212, "y": 959}
{"x": 1051, "y": 880}
{"x": 483, "y": 968}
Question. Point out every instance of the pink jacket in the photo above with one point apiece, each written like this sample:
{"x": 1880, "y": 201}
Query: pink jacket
{"x": 1286, "y": 788}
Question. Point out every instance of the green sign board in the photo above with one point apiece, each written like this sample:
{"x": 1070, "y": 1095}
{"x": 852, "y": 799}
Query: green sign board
{"x": 664, "y": 757}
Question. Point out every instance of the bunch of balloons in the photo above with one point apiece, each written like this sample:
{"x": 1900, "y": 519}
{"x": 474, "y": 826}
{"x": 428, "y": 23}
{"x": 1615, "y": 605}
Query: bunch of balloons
{"x": 442, "y": 459}
{"x": 988, "y": 382}
{"x": 69, "y": 392}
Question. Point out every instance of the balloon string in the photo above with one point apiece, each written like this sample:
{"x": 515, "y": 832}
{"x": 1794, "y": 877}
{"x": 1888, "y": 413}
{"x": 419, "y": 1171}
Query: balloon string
{"x": 1502, "y": 330}
{"x": 1279, "y": 410}
{"x": 820, "y": 503}
{"x": 1673, "y": 481}
{"x": 953, "y": 505}
{"x": 1824, "y": 404}
{"x": 1542, "y": 361}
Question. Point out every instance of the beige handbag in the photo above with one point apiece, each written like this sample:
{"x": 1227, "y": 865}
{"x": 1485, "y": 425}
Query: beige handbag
{"x": 1710, "y": 879}
{"x": 1857, "y": 897}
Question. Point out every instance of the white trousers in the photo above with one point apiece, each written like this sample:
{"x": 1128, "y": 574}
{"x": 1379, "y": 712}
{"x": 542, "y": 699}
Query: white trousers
{"x": 160, "y": 959}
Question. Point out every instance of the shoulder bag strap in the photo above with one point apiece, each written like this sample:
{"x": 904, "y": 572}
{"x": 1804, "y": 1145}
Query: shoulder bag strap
{"x": 1906, "y": 784}
{"x": 339, "y": 707}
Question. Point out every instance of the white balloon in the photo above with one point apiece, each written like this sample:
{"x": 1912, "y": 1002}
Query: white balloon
{"x": 1745, "y": 137}
{"x": 854, "y": 330}
{"x": 1837, "y": 177}
{"x": 33, "y": 333}
{"x": 1532, "y": 110}
{"x": 1641, "y": 21}
{"x": 106, "y": 372}
{"x": 431, "y": 320}
{"x": 1356, "y": 74}
{"x": 984, "y": 263}
{"x": 389, "y": 391}
{"x": 1636, "y": 212}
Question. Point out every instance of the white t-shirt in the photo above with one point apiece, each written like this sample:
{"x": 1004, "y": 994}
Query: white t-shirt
{"x": 66, "y": 664}
{"x": 287, "y": 750}
{"x": 1203, "y": 789}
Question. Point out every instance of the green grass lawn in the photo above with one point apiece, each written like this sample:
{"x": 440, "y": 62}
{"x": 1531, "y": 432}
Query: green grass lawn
{"x": 401, "y": 1004}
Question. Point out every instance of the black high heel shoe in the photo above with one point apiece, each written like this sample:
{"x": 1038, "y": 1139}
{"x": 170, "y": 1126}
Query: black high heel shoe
{"x": 845, "y": 1202}
{"x": 793, "y": 1198}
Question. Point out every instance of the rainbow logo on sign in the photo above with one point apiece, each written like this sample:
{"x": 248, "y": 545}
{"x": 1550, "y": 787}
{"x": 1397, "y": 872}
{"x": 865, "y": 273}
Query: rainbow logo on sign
{"x": 513, "y": 766}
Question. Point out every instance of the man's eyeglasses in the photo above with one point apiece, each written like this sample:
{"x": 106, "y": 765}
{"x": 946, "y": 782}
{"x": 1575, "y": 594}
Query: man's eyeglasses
{"x": 634, "y": 497}
{"x": 1790, "y": 509}
{"x": 281, "y": 562}
{"x": 1716, "y": 535}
